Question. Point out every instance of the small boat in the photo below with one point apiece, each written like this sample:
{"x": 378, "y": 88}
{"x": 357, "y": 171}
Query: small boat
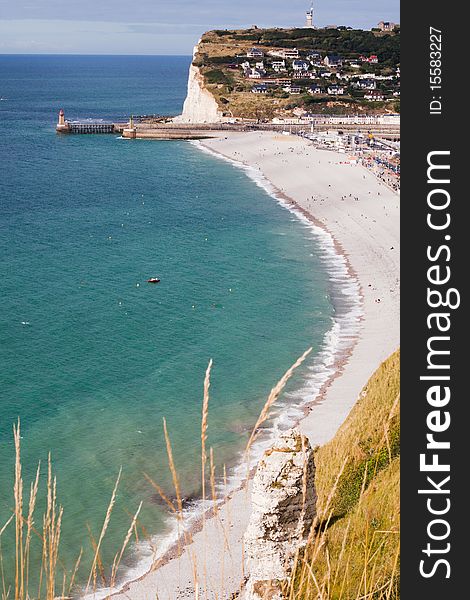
{"x": 153, "y": 280}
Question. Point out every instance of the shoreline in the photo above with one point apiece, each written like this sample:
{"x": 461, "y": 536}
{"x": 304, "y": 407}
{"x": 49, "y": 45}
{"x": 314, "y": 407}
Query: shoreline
{"x": 321, "y": 415}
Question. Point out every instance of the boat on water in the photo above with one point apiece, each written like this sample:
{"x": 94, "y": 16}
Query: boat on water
{"x": 153, "y": 280}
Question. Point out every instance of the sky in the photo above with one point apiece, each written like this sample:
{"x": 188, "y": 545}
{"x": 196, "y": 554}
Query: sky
{"x": 162, "y": 26}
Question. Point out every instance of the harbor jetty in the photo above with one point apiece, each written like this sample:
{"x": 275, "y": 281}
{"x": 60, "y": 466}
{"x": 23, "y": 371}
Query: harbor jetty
{"x": 83, "y": 127}
{"x": 150, "y": 128}
{"x": 164, "y": 128}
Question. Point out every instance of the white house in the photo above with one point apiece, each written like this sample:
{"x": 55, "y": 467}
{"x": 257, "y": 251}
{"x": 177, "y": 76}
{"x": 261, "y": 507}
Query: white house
{"x": 256, "y": 74}
{"x": 255, "y": 53}
{"x": 335, "y": 90}
{"x": 366, "y": 84}
{"x": 315, "y": 89}
{"x": 374, "y": 96}
{"x": 260, "y": 89}
{"x": 332, "y": 60}
{"x": 313, "y": 56}
{"x": 260, "y": 66}
{"x": 292, "y": 89}
{"x": 386, "y": 26}
{"x": 290, "y": 53}
{"x": 372, "y": 59}
{"x": 300, "y": 65}
{"x": 279, "y": 65}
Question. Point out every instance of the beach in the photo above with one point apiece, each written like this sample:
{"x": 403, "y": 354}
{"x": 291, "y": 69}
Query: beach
{"x": 362, "y": 215}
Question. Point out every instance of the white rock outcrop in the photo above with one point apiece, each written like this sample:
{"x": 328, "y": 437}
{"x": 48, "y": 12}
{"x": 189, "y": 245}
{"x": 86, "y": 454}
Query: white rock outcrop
{"x": 283, "y": 509}
{"x": 200, "y": 105}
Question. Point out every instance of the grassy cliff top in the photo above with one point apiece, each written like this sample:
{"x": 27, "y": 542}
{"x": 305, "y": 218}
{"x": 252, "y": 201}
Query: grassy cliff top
{"x": 228, "y": 70}
{"x": 356, "y": 551}
{"x": 349, "y": 42}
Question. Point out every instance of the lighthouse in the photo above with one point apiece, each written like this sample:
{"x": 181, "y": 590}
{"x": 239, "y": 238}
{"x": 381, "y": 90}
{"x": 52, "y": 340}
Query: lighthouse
{"x": 309, "y": 24}
{"x": 62, "y": 125}
{"x": 131, "y": 130}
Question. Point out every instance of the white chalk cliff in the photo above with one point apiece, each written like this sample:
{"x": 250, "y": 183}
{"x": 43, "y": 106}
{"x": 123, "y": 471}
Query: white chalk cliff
{"x": 284, "y": 506}
{"x": 200, "y": 105}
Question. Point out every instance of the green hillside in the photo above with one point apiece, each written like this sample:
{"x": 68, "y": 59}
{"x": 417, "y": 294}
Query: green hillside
{"x": 257, "y": 87}
{"x": 355, "y": 552}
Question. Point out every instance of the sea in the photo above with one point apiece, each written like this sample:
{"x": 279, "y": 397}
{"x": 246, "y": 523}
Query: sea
{"x": 92, "y": 357}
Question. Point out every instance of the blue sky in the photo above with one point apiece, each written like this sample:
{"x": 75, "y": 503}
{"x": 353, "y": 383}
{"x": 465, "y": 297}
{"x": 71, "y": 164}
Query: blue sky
{"x": 161, "y": 26}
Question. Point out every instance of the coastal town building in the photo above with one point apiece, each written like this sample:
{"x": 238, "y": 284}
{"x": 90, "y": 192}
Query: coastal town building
{"x": 335, "y": 90}
{"x": 366, "y": 84}
{"x": 279, "y": 65}
{"x": 367, "y": 119}
{"x": 292, "y": 89}
{"x": 255, "y": 53}
{"x": 286, "y": 53}
{"x": 314, "y": 57}
{"x": 372, "y": 59}
{"x": 256, "y": 74}
{"x": 374, "y": 96}
{"x": 387, "y": 26}
{"x": 262, "y": 88}
{"x": 333, "y": 60}
{"x": 300, "y": 65}
{"x": 303, "y": 75}
{"x": 315, "y": 89}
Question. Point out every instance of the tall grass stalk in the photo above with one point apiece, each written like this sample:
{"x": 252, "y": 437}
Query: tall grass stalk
{"x": 348, "y": 556}
{"x": 273, "y": 396}
{"x": 104, "y": 529}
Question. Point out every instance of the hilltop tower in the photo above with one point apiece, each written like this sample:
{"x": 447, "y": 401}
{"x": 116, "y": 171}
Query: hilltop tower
{"x": 62, "y": 125}
{"x": 310, "y": 14}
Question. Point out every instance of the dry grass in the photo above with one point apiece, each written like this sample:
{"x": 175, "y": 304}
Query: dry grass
{"x": 353, "y": 548}
{"x": 41, "y": 562}
{"x": 273, "y": 396}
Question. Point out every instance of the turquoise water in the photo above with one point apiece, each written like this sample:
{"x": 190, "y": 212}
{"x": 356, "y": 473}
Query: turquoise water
{"x": 92, "y": 357}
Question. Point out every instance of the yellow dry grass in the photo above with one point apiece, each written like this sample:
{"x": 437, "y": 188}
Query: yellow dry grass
{"x": 353, "y": 549}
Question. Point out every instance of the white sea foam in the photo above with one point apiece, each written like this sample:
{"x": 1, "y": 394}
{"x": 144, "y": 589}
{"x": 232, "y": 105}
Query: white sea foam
{"x": 288, "y": 411}
{"x": 338, "y": 340}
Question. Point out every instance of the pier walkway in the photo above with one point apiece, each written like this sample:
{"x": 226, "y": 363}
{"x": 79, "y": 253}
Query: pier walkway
{"x": 191, "y": 131}
{"x": 90, "y": 127}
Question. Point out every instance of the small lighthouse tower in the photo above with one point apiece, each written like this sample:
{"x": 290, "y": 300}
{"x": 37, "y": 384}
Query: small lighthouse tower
{"x": 309, "y": 24}
{"x": 131, "y": 130}
{"x": 62, "y": 125}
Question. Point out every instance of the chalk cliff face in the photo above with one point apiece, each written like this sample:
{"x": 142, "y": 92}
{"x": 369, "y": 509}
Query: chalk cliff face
{"x": 284, "y": 506}
{"x": 199, "y": 106}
